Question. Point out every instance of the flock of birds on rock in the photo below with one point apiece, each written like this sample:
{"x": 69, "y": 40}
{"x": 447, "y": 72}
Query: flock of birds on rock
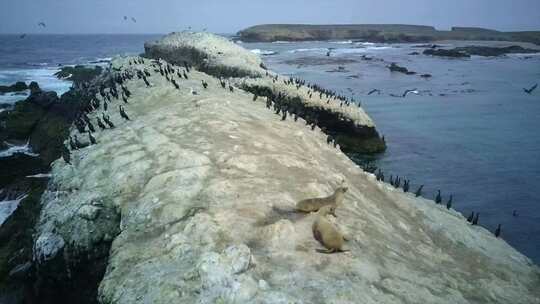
{"x": 397, "y": 182}
{"x": 114, "y": 90}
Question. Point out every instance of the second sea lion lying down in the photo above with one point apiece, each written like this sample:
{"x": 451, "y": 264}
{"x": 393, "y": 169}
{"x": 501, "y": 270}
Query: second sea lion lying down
{"x": 326, "y": 232}
{"x": 314, "y": 204}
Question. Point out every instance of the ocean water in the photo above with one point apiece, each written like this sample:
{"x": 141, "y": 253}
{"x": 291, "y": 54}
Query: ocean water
{"x": 38, "y": 57}
{"x": 471, "y": 132}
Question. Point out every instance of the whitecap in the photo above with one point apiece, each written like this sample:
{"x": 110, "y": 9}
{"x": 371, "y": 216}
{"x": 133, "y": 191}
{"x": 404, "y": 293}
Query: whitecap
{"x": 40, "y": 175}
{"x": 13, "y": 149}
{"x": 309, "y": 50}
{"x": 342, "y": 42}
{"x": 263, "y": 52}
{"x": 8, "y": 207}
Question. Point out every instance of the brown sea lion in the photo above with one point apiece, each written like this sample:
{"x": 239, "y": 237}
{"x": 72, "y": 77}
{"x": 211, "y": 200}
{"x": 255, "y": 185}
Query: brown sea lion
{"x": 326, "y": 232}
{"x": 314, "y": 204}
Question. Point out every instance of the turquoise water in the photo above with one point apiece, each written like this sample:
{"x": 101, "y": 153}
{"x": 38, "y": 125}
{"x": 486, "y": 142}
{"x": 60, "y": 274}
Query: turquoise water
{"x": 478, "y": 141}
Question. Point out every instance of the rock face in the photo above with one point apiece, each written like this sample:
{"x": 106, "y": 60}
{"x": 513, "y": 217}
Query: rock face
{"x": 446, "y": 53}
{"x": 212, "y": 54}
{"x": 196, "y": 192}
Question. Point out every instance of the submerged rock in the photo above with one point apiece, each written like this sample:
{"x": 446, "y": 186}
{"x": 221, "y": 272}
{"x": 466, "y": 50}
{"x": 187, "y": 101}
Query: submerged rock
{"x": 396, "y": 68}
{"x": 446, "y": 53}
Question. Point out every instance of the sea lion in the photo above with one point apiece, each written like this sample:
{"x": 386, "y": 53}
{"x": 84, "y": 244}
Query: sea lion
{"x": 326, "y": 232}
{"x": 314, "y": 204}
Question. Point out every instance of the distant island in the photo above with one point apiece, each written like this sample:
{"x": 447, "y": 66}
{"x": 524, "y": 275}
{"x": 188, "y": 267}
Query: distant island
{"x": 391, "y": 33}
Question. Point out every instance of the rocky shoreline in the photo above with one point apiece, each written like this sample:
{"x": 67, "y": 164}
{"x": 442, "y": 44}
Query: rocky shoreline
{"x": 186, "y": 196}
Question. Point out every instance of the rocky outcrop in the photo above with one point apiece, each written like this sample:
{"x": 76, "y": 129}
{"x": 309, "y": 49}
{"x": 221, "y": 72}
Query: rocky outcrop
{"x": 79, "y": 74}
{"x": 17, "y": 87}
{"x": 446, "y": 53}
{"x": 212, "y": 54}
{"x": 196, "y": 194}
{"x": 394, "y": 67}
{"x": 348, "y": 124}
{"x": 390, "y": 33}
{"x": 495, "y": 51}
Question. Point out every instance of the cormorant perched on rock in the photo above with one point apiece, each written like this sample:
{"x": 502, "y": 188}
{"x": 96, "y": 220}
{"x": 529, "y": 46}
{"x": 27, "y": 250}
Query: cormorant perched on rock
{"x": 124, "y": 99}
{"x": 498, "y": 231}
{"x": 107, "y": 120}
{"x": 185, "y": 75}
{"x": 100, "y": 124}
{"x": 78, "y": 144}
{"x": 284, "y": 116}
{"x": 66, "y": 155}
{"x": 231, "y": 88}
{"x": 91, "y": 138}
{"x": 123, "y": 113}
{"x": 72, "y": 144}
{"x": 204, "y": 84}
{"x": 438, "y": 198}
{"x": 419, "y": 191}
{"x": 91, "y": 126}
{"x": 146, "y": 81}
{"x": 175, "y": 84}
{"x": 449, "y": 203}
{"x": 475, "y": 220}
{"x": 255, "y": 97}
{"x": 406, "y": 186}
{"x": 391, "y": 180}
{"x": 186, "y": 66}
{"x": 471, "y": 217}
{"x": 222, "y": 83}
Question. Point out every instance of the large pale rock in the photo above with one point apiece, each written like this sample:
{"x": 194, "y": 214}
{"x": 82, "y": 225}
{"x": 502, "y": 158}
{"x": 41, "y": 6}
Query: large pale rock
{"x": 211, "y": 53}
{"x": 205, "y": 187}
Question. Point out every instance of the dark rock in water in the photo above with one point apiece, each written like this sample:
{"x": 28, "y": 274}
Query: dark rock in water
{"x": 17, "y": 87}
{"x": 34, "y": 87}
{"x": 426, "y": 76}
{"x": 495, "y": 51}
{"x": 396, "y": 68}
{"x": 446, "y": 53}
{"x": 79, "y": 74}
{"x": 414, "y": 53}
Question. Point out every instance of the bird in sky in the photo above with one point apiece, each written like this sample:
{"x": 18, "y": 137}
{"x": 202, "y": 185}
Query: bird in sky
{"x": 42, "y": 24}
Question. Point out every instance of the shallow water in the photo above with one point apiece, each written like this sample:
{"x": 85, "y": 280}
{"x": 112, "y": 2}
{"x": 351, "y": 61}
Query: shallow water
{"x": 472, "y": 132}
{"x": 478, "y": 142}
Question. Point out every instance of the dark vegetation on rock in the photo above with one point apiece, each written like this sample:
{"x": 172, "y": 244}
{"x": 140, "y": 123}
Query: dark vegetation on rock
{"x": 377, "y": 33}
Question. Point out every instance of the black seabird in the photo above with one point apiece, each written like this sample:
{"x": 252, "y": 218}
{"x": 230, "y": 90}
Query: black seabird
{"x": 123, "y": 113}
{"x": 374, "y": 91}
{"x": 100, "y": 124}
{"x": 72, "y": 144}
{"x": 449, "y": 203}
{"x": 92, "y": 138}
{"x": 471, "y": 217}
{"x": 66, "y": 155}
{"x": 475, "y": 220}
{"x": 419, "y": 191}
{"x": 498, "y": 231}
{"x": 438, "y": 199}
{"x": 529, "y": 91}
{"x": 91, "y": 126}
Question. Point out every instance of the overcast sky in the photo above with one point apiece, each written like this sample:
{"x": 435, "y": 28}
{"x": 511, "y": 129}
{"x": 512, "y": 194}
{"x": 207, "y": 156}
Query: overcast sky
{"x": 228, "y": 16}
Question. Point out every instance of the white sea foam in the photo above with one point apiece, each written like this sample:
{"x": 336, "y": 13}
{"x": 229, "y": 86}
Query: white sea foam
{"x": 263, "y": 52}
{"x": 12, "y": 149}
{"x": 8, "y": 207}
{"x": 43, "y": 76}
{"x": 365, "y": 43}
{"x": 317, "y": 50}
{"x": 342, "y": 42}
{"x": 40, "y": 175}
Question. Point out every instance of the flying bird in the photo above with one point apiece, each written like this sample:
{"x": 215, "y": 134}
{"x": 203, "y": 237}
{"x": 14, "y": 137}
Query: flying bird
{"x": 22, "y": 36}
{"x": 42, "y": 24}
{"x": 133, "y": 19}
{"x": 125, "y": 18}
{"x": 407, "y": 92}
{"x": 374, "y": 91}
{"x": 529, "y": 91}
